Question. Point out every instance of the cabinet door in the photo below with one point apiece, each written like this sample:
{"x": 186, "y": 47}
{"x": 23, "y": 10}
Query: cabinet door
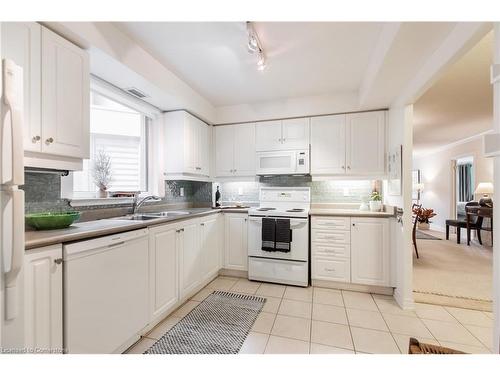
{"x": 190, "y": 258}
{"x": 203, "y": 148}
{"x": 295, "y": 134}
{"x": 209, "y": 248}
{"x": 328, "y": 145}
{"x": 236, "y": 242}
{"x": 43, "y": 298}
{"x": 366, "y": 143}
{"x": 244, "y": 150}
{"x": 268, "y": 136}
{"x": 224, "y": 152}
{"x": 65, "y": 97}
{"x": 191, "y": 135}
{"x": 21, "y": 42}
{"x": 163, "y": 262}
{"x": 370, "y": 252}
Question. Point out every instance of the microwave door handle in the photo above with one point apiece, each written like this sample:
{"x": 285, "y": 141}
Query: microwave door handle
{"x": 16, "y": 233}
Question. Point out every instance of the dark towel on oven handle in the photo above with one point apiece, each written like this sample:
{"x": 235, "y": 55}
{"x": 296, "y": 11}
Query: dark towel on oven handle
{"x": 268, "y": 234}
{"x": 283, "y": 235}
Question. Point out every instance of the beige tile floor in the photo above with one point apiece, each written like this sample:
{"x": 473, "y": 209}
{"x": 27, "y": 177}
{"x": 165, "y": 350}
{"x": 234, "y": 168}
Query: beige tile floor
{"x": 328, "y": 321}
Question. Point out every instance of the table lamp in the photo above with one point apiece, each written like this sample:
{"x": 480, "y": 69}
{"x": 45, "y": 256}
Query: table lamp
{"x": 418, "y": 188}
{"x": 486, "y": 189}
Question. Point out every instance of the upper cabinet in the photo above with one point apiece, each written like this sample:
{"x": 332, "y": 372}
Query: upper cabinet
{"x": 65, "y": 97}
{"x": 56, "y": 95}
{"x": 186, "y": 146}
{"x": 328, "y": 145}
{"x": 365, "y": 137}
{"x": 235, "y": 150}
{"x": 290, "y": 134}
{"x": 21, "y": 43}
{"x": 352, "y": 144}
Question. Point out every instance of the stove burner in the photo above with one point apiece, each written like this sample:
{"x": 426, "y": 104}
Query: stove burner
{"x": 266, "y": 209}
{"x": 295, "y": 210}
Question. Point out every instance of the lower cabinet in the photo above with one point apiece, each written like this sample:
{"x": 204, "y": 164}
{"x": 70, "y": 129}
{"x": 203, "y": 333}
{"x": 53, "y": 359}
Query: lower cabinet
{"x": 210, "y": 245}
{"x": 351, "y": 250}
{"x": 189, "y": 249}
{"x": 370, "y": 252}
{"x": 236, "y": 247}
{"x": 163, "y": 261}
{"x": 43, "y": 299}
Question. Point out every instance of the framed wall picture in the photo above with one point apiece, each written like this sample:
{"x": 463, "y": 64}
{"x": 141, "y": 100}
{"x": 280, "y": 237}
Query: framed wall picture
{"x": 394, "y": 169}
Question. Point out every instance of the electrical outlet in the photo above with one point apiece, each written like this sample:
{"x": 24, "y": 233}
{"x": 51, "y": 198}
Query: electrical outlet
{"x": 181, "y": 191}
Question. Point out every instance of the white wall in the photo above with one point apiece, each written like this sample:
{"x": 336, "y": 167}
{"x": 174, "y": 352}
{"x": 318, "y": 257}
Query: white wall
{"x": 437, "y": 176}
{"x": 291, "y": 107}
{"x": 116, "y": 58}
{"x": 400, "y": 133}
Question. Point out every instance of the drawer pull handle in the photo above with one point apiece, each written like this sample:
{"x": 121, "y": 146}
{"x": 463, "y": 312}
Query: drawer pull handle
{"x": 116, "y": 244}
{"x": 330, "y": 269}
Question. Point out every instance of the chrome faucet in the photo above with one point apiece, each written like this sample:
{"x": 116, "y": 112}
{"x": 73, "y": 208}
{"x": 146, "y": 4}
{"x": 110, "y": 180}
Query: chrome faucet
{"x": 139, "y": 202}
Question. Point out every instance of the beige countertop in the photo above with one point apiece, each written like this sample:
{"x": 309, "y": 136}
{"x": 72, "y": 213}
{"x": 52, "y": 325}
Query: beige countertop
{"x": 97, "y": 228}
{"x": 347, "y": 212}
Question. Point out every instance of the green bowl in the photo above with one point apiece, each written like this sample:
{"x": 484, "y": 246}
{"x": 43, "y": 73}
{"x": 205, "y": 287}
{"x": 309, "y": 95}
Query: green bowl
{"x": 52, "y": 220}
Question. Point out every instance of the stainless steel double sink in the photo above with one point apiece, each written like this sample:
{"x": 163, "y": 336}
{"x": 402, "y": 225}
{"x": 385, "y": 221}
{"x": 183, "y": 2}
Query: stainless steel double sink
{"x": 152, "y": 215}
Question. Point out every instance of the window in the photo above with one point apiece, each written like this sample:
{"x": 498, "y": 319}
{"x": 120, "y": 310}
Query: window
{"x": 119, "y": 132}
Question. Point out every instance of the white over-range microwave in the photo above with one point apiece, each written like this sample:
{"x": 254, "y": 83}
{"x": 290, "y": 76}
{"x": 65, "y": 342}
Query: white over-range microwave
{"x": 284, "y": 162}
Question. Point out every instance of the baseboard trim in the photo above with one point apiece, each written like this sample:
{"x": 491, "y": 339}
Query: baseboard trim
{"x": 233, "y": 273}
{"x": 386, "y": 290}
{"x": 405, "y": 303}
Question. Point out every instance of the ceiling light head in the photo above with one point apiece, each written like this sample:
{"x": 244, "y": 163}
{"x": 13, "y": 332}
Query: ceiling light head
{"x": 261, "y": 61}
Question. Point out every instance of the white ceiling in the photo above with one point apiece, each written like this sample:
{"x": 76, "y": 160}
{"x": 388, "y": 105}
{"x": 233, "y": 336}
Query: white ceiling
{"x": 304, "y": 58}
{"x": 460, "y": 104}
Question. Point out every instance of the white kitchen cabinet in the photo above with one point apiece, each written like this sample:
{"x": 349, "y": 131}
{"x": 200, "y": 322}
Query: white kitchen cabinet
{"x": 288, "y": 134}
{"x": 43, "y": 299}
{"x": 328, "y": 145}
{"x": 331, "y": 249}
{"x": 235, "y": 150}
{"x": 65, "y": 97}
{"x": 21, "y": 42}
{"x": 188, "y": 247}
{"x": 295, "y": 134}
{"x": 163, "y": 269}
{"x": 365, "y": 138}
{"x": 352, "y": 144}
{"x": 236, "y": 247}
{"x": 209, "y": 244}
{"x": 186, "y": 146}
{"x": 268, "y": 135}
{"x": 370, "y": 251}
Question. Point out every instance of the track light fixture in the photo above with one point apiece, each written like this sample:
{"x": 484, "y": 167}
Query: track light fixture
{"x": 255, "y": 47}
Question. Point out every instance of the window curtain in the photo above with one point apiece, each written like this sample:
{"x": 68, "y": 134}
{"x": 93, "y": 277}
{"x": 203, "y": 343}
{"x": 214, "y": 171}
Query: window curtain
{"x": 464, "y": 182}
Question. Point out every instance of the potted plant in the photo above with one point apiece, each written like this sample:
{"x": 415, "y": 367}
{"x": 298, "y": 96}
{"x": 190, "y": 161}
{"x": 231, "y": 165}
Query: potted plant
{"x": 101, "y": 173}
{"x": 375, "y": 202}
{"x": 423, "y": 215}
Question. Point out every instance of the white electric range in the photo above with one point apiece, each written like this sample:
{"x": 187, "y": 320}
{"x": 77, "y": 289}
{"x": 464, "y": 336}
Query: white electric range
{"x": 284, "y": 267}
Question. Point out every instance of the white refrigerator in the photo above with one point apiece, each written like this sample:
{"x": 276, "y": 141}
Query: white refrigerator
{"x": 11, "y": 207}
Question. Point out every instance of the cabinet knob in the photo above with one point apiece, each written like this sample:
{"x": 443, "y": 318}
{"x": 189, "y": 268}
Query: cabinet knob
{"x": 353, "y": 224}
{"x": 48, "y": 141}
{"x": 202, "y": 224}
{"x": 348, "y": 167}
{"x": 35, "y": 139}
{"x": 343, "y": 167}
{"x": 58, "y": 261}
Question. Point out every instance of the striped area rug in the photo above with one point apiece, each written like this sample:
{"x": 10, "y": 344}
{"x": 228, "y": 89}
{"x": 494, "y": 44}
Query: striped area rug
{"x": 218, "y": 325}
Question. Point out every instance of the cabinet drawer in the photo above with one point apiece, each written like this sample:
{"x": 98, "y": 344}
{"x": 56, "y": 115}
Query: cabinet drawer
{"x": 331, "y": 269}
{"x": 332, "y": 222}
{"x": 331, "y": 250}
{"x": 331, "y": 236}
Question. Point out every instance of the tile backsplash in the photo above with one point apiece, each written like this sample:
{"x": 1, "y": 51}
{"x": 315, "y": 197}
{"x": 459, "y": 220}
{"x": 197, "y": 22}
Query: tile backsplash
{"x": 43, "y": 191}
{"x": 335, "y": 191}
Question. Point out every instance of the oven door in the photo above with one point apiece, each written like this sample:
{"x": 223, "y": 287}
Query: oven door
{"x": 277, "y": 162}
{"x": 299, "y": 247}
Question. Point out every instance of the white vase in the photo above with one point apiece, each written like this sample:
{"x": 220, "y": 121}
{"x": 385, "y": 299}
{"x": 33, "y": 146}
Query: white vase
{"x": 423, "y": 226}
{"x": 375, "y": 206}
